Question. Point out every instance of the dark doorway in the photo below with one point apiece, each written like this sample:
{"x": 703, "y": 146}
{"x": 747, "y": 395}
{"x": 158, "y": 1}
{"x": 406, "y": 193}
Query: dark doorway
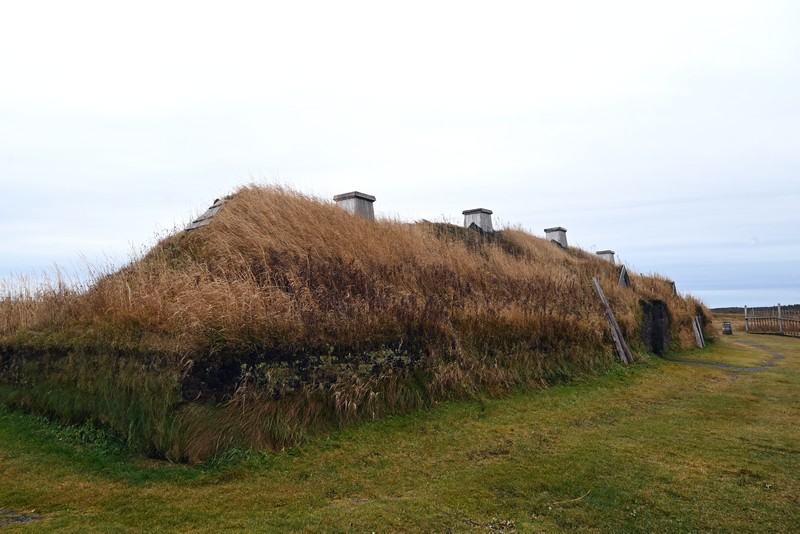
{"x": 655, "y": 327}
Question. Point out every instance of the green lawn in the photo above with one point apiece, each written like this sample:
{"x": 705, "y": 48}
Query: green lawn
{"x": 660, "y": 446}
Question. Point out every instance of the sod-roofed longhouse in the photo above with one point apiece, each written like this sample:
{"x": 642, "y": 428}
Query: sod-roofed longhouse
{"x": 283, "y": 314}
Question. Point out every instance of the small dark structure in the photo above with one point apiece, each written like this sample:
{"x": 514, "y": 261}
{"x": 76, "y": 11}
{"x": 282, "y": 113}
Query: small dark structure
{"x": 726, "y": 328}
{"x": 624, "y": 278}
{"x": 655, "y": 326}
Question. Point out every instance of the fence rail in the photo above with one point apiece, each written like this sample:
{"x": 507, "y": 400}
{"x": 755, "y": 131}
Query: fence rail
{"x": 772, "y": 312}
{"x": 772, "y": 320}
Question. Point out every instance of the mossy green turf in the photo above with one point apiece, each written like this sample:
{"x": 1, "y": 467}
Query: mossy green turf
{"x": 658, "y": 446}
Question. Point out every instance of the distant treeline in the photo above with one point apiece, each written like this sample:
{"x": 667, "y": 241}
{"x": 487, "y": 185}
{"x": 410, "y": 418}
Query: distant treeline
{"x": 740, "y": 311}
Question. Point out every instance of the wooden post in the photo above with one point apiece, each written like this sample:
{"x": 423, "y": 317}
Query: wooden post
{"x": 780, "y": 319}
{"x": 746, "y": 322}
{"x": 623, "y": 351}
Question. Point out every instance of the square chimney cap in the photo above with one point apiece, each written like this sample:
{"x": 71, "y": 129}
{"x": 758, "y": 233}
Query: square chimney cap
{"x": 556, "y": 229}
{"x": 354, "y": 194}
{"x": 605, "y": 252}
{"x": 476, "y": 210}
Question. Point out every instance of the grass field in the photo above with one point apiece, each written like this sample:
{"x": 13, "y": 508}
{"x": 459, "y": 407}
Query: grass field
{"x": 659, "y": 446}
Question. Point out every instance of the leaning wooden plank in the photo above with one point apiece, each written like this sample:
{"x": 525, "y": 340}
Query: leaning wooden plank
{"x": 615, "y": 326}
{"x": 616, "y": 331}
{"x": 623, "y": 352}
{"x": 700, "y": 329}
{"x": 698, "y": 333}
{"x": 628, "y": 354}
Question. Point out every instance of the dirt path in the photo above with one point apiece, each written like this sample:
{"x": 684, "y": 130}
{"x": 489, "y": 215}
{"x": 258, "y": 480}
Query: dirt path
{"x": 8, "y": 517}
{"x": 774, "y": 359}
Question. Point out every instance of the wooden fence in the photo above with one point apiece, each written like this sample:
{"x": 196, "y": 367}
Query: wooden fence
{"x": 772, "y": 320}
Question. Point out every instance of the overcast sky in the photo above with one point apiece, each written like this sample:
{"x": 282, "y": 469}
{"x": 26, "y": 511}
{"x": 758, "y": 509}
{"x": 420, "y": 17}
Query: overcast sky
{"x": 667, "y": 131}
